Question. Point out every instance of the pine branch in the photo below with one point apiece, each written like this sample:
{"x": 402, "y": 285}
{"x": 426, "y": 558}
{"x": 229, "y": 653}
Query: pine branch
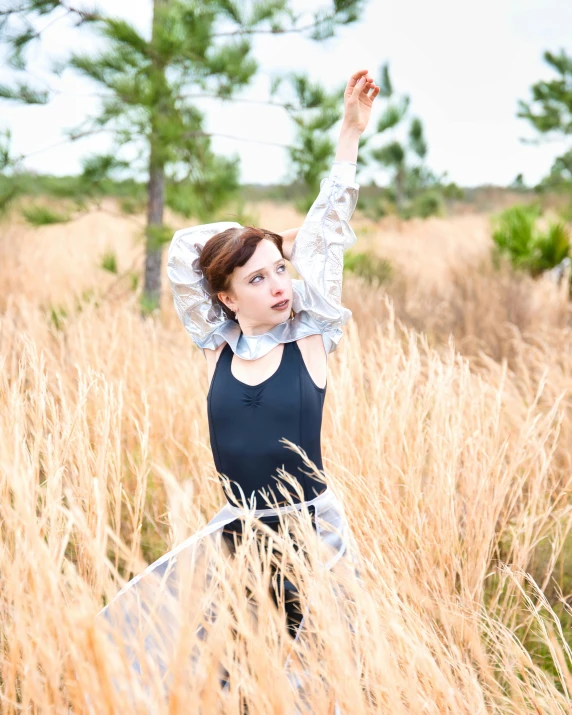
{"x": 23, "y": 93}
{"x": 52, "y": 22}
{"x": 190, "y": 135}
{"x": 15, "y": 11}
{"x": 324, "y": 20}
{"x": 254, "y": 141}
{"x": 70, "y": 139}
{"x": 21, "y": 40}
{"x": 271, "y": 31}
{"x": 85, "y": 16}
{"x": 266, "y": 102}
{"x": 552, "y": 138}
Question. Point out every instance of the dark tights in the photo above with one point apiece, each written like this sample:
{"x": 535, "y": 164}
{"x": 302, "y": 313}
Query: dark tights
{"x": 232, "y": 534}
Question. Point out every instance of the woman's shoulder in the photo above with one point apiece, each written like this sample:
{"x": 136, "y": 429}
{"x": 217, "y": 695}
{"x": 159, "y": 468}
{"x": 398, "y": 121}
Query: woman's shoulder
{"x": 312, "y": 347}
{"x": 311, "y": 342}
{"x": 315, "y": 357}
{"x": 212, "y": 356}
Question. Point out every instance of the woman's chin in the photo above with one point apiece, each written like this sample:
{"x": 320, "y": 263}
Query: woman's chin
{"x": 281, "y": 315}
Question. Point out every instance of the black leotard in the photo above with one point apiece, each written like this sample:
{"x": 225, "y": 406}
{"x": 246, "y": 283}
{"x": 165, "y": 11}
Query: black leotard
{"x": 246, "y": 423}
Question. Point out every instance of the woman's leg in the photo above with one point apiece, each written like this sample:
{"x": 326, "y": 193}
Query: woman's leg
{"x": 282, "y": 588}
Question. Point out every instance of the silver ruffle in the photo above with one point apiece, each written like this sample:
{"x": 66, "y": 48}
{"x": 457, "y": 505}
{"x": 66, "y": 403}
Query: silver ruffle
{"x": 317, "y": 255}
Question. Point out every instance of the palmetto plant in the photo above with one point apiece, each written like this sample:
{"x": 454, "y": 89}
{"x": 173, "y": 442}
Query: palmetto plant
{"x": 553, "y": 246}
{"x": 517, "y": 236}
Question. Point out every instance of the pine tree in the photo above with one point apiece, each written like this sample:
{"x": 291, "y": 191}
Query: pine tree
{"x": 314, "y": 112}
{"x": 550, "y": 113}
{"x": 195, "y": 49}
{"x": 395, "y": 154}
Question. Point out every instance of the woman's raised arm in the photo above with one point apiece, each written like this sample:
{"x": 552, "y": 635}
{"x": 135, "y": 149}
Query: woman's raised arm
{"x": 315, "y": 250}
{"x": 318, "y": 250}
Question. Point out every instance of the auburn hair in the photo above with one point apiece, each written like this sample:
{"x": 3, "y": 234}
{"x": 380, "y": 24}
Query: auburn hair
{"x": 227, "y": 250}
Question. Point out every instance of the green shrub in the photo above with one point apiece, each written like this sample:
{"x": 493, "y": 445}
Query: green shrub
{"x": 378, "y": 204}
{"x": 158, "y": 235}
{"x": 57, "y": 316}
{"x": 553, "y": 246}
{"x": 109, "y": 262}
{"x": 514, "y": 232}
{"x": 516, "y": 235}
{"x": 422, "y": 203}
{"x": 148, "y": 304}
{"x": 368, "y": 265}
{"x": 430, "y": 203}
{"x": 38, "y": 215}
{"x": 87, "y": 297}
{"x": 566, "y": 213}
{"x": 130, "y": 205}
{"x": 453, "y": 192}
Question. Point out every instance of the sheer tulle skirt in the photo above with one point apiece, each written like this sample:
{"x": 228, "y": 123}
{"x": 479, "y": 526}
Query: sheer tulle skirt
{"x": 174, "y": 599}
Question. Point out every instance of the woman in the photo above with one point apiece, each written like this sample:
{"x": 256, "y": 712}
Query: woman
{"x": 266, "y": 339}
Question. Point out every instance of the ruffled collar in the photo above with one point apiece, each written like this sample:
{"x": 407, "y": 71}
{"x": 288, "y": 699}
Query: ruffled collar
{"x": 252, "y": 347}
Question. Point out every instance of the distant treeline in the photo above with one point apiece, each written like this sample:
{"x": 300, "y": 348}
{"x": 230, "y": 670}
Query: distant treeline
{"x": 65, "y": 187}
{"x": 33, "y": 184}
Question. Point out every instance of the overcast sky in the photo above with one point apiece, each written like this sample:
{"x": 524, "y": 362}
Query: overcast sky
{"x": 464, "y": 65}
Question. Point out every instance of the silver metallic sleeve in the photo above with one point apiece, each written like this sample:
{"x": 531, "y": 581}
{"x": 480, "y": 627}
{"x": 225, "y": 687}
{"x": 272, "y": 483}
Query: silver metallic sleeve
{"x": 318, "y": 253}
{"x": 201, "y": 316}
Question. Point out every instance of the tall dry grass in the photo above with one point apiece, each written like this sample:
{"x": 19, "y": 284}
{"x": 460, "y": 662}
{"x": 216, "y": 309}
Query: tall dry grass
{"x": 450, "y": 454}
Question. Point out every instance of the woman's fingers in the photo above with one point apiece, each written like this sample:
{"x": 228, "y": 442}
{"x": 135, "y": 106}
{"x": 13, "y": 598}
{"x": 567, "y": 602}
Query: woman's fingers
{"x": 374, "y": 91}
{"x": 360, "y": 85}
{"x": 356, "y": 76}
{"x": 354, "y": 79}
{"x": 365, "y": 87}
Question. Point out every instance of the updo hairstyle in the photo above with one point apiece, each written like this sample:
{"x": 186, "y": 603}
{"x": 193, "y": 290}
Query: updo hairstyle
{"x": 227, "y": 250}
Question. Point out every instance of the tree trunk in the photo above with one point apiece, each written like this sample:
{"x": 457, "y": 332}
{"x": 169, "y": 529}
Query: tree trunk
{"x": 155, "y": 192}
{"x": 399, "y": 189}
{"x": 154, "y": 249}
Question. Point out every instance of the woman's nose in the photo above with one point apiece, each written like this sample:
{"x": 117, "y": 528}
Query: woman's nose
{"x": 277, "y": 286}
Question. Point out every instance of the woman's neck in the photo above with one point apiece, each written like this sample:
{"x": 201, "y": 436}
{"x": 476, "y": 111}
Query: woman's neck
{"x": 251, "y": 329}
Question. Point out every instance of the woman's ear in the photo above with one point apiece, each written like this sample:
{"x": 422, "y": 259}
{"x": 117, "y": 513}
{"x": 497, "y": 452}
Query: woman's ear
{"x": 228, "y": 300}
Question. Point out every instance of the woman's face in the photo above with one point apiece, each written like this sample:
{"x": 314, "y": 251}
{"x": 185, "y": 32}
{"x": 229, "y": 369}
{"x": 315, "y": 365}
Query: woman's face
{"x": 257, "y": 286}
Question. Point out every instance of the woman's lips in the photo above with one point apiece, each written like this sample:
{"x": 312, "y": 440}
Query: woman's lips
{"x": 281, "y": 306}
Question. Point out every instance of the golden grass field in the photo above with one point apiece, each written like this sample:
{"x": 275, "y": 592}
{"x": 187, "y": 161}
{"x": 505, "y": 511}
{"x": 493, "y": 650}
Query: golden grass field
{"x": 447, "y": 435}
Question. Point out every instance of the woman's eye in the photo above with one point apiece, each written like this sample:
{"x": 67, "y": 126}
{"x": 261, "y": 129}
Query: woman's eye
{"x": 258, "y": 275}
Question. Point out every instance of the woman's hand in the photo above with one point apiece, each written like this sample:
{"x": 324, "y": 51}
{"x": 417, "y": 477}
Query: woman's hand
{"x": 358, "y": 100}
{"x": 359, "y": 94}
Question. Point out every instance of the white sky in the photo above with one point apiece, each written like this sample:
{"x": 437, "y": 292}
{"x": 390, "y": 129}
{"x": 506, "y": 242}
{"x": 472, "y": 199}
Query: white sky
{"x": 464, "y": 65}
